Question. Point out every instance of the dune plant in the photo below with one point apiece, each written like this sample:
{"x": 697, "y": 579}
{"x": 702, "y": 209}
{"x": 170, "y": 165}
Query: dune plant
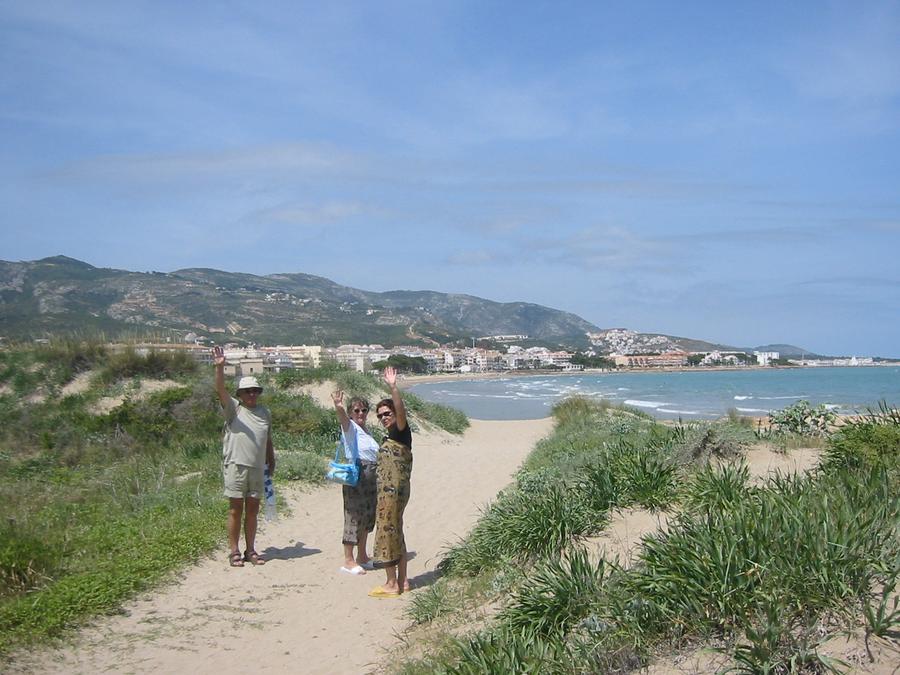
{"x": 871, "y": 440}
{"x": 556, "y": 595}
{"x": 130, "y": 363}
{"x": 647, "y": 477}
{"x": 716, "y": 488}
{"x": 803, "y": 419}
{"x": 816, "y": 541}
{"x": 431, "y": 603}
{"x": 522, "y": 525}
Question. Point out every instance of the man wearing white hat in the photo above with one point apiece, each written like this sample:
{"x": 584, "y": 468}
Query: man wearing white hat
{"x": 246, "y": 450}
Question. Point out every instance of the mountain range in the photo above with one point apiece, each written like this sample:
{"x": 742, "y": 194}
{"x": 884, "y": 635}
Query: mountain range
{"x": 61, "y": 295}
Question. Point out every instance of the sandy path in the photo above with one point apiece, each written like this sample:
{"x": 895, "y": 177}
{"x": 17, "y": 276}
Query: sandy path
{"x": 298, "y": 613}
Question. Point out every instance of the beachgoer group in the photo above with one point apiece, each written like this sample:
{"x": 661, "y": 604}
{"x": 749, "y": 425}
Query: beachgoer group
{"x": 377, "y": 502}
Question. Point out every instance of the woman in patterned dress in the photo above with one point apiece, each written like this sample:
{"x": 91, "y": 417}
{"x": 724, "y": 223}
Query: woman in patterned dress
{"x": 393, "y": 471}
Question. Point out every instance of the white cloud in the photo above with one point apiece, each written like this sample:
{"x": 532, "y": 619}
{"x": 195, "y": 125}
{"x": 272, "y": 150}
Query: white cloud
{"x": 267, "y": 160}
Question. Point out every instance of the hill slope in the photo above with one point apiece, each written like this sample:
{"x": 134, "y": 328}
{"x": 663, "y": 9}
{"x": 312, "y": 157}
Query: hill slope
{"x": 60, "y": 294}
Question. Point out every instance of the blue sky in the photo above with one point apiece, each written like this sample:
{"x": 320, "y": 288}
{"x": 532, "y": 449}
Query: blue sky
{"x": 724, "y": 171}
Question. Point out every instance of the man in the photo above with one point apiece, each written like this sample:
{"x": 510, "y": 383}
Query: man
{"x": 246, "y": 449}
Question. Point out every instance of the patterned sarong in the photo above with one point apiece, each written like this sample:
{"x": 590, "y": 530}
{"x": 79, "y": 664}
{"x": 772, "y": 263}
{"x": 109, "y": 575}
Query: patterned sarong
{"x": 394, "y": 470}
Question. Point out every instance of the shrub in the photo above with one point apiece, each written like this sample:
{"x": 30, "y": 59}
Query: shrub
{"x": 803, "y": 419}
{"x": 521, "y": 525}
{"x": 557, "y": 594}
{"x": 718, "y": 488}
{"x": 647, "y": 478}
{"x": 873, "y": 440}
{"x": 156, "y": 365}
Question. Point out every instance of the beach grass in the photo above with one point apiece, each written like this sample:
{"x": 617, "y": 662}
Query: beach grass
{"x": 762, "y": 570}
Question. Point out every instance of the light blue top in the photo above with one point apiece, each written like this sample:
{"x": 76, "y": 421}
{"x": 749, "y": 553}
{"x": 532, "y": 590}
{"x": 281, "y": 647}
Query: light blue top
{"x": 360, "y": 443}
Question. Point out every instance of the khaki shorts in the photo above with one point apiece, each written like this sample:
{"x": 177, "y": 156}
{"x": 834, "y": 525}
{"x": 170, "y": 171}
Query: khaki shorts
{"x": 243, "y": 481}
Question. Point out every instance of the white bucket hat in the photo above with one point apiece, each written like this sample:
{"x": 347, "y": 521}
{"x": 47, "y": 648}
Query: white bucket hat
{"x": 248, "y": 382}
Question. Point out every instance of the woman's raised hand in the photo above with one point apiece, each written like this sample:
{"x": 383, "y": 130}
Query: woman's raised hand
{"x": 337, "y": 397}
{"x": 390, "y": 376}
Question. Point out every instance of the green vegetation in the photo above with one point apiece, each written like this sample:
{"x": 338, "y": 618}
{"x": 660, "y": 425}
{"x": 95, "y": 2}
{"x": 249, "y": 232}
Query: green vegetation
{"x": 582, "y": 359}
{"x": 110, "y": 486}
{"x": 403, "y": 364}
{"x": 803, "y": 419}
{"x": 764, "y": 569}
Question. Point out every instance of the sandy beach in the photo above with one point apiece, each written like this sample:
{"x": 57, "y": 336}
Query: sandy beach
{"x": 298, "y": 613}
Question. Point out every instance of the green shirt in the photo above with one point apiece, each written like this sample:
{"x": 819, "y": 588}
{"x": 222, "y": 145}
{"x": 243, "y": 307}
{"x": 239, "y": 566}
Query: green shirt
{"x": 246, "y": 434}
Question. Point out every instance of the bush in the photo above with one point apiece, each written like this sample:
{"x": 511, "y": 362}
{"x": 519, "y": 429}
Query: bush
{"x": 156, "y": 365}
{"x": 872, "y": 441}
{"x": 557, "y": 595}
{"x": 803, "y": 419}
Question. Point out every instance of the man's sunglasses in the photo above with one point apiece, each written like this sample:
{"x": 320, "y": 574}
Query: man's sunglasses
{"x": 252, "y": 391}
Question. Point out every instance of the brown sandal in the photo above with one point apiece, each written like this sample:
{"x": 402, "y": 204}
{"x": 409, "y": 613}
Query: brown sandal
{"x": 235, "y": 559}
{"x": 254, "y": 558}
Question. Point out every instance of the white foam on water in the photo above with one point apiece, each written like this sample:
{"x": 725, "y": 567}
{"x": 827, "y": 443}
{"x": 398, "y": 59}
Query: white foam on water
{"x": 751, "y": 410}
{"x": 678, "y": 412}
{"x": 779, "y": 398}
{"x": 644, "y": 404}
{"x": 742, "y": 398}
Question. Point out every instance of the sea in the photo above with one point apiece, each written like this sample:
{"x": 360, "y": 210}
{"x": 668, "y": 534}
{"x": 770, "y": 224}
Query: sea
{"x": 685, "y": 395}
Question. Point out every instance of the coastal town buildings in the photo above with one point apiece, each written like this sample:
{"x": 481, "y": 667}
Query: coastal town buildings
{"x": 254, "y": 360}
{"x": 667, "y": 359}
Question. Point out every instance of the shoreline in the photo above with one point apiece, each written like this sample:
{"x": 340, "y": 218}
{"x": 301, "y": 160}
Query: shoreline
{"x": 409, "y": 380}
{"x": 537, "y": 397}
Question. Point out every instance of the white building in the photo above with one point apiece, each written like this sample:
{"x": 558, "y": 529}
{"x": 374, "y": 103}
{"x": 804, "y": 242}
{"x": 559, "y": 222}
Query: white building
{"x": 763, "y": 358}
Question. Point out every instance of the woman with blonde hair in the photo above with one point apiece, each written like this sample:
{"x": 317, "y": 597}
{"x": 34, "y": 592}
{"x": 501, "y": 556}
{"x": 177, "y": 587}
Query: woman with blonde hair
{"x": 359, "y": 500}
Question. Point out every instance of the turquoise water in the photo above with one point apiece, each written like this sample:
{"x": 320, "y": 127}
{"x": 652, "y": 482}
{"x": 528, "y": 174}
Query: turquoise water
{"x": 684, "y": 394}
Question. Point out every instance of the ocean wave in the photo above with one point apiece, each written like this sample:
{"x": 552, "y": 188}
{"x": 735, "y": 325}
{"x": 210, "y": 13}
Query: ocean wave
{"x": 678, "y": 412}
{"x": 752, "y": 410}
{"x": 637, "y": 403}
{"x": 780, "y": 398}
{"x": 742, "y": 398}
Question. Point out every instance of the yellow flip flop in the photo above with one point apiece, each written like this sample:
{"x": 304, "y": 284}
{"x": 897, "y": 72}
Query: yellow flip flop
{"x": 380, "y": 592}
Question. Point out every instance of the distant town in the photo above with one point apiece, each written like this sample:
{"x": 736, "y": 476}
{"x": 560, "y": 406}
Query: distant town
{"x": 504, "y": 356}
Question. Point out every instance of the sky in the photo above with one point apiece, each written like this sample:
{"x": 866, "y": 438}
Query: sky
{"x": 728, "y": 171}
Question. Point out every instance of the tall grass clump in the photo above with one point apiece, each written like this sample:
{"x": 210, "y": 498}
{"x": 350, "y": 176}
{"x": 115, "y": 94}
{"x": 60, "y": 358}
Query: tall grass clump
{"x": 521, "y": 525}
{"x": 63, "y": 358}
{"x": 872, "y": 440}
{"x": 718, "y": 488}
{"x": 558, "y": 594}
{"x": 130, "y": 363}
{"x": 817, "y": 543}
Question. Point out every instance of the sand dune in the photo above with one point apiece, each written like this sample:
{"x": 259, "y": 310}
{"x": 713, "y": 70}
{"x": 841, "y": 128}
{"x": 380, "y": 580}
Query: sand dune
{"x": 298, "y": 613}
